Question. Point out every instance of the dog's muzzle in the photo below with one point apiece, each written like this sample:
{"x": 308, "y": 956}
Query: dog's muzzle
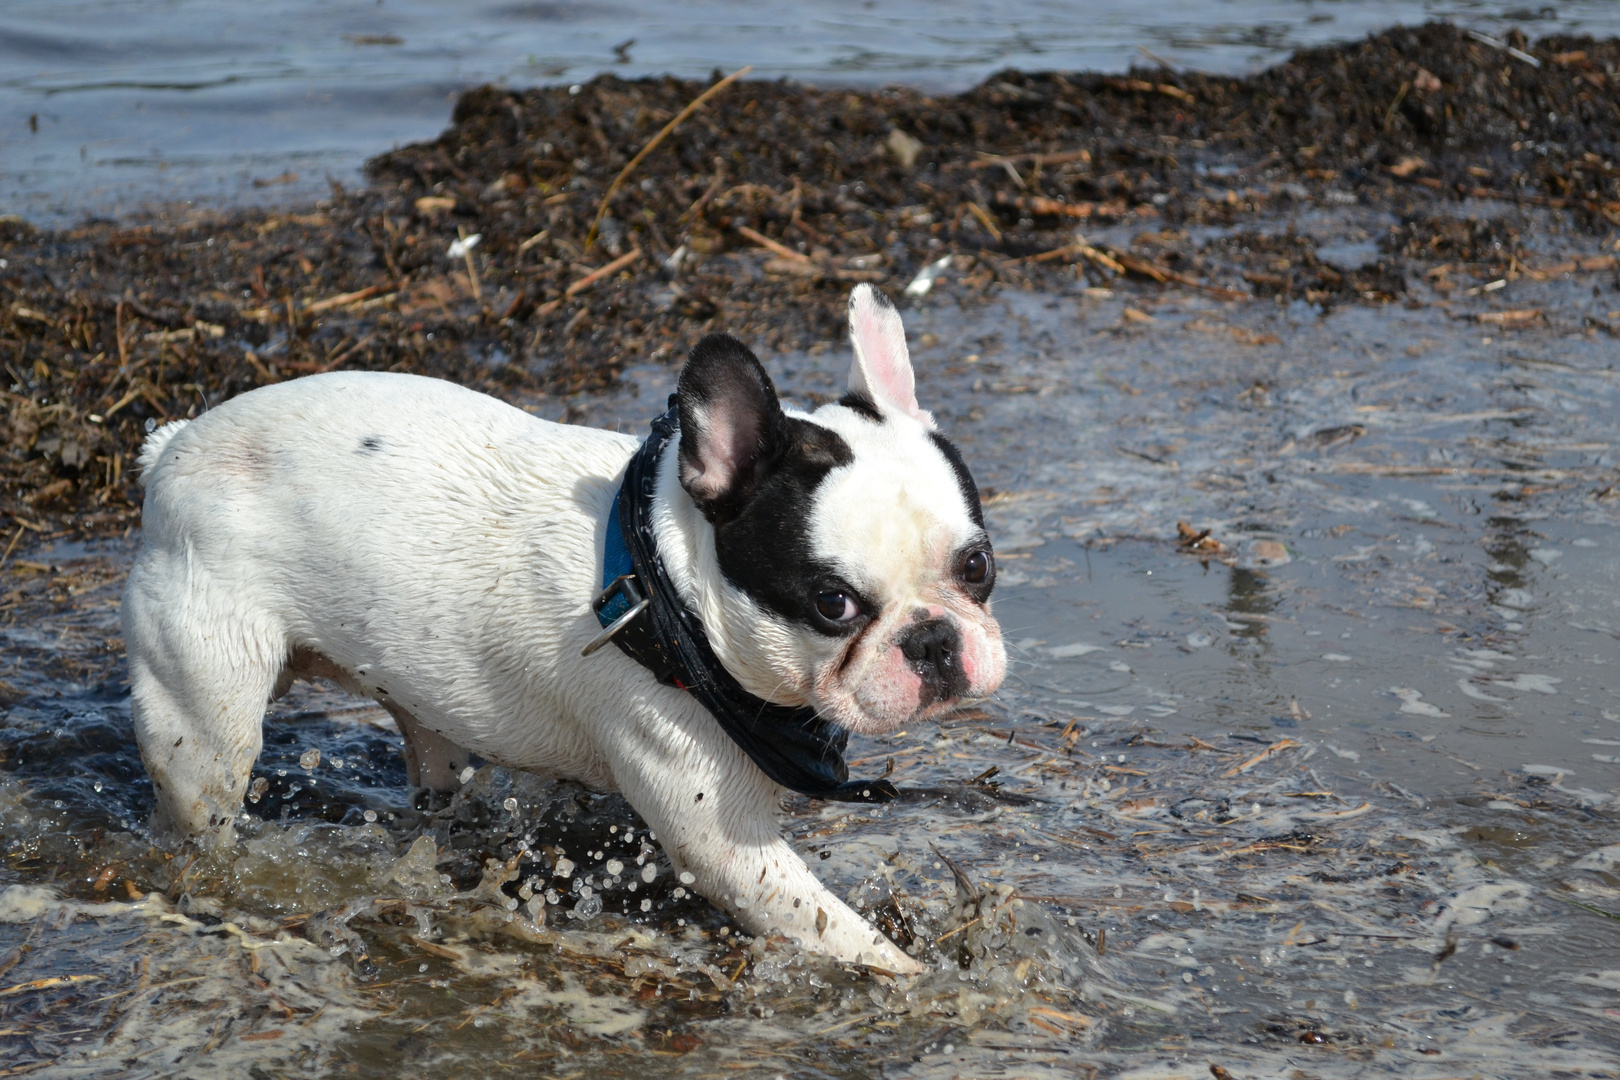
{"x": 933, "y": 649}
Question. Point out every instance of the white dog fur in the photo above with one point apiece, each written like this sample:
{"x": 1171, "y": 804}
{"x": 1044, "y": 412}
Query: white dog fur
{"x": 435, "y": 549}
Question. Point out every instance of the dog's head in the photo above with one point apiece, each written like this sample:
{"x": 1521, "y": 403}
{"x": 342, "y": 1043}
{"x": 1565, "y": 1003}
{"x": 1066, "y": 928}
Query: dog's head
{"x": 856, "y": 568}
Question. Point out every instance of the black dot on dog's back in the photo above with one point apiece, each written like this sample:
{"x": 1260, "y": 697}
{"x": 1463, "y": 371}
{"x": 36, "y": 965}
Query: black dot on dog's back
{"x": 371, "y": 444}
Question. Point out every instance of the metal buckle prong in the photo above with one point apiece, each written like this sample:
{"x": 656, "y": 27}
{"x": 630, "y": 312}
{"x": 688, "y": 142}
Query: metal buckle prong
{"x": 627, "y": 585}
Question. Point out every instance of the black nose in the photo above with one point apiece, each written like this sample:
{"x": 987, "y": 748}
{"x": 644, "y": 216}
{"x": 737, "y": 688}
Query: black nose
{"x": 934, "y": 649}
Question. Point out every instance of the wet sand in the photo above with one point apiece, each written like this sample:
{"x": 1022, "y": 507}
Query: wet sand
{"x": 1323, "y": 791}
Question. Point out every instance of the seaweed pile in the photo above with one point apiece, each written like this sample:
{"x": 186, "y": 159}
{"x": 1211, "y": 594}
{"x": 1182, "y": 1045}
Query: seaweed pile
{"x": 479, "y": 257}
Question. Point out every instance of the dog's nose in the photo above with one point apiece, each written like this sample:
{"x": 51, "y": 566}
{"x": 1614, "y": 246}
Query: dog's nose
{"x": 934, "y": 649}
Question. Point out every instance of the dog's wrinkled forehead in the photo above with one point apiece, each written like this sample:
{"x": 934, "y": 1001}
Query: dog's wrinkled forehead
{"x": 903, "y": 506}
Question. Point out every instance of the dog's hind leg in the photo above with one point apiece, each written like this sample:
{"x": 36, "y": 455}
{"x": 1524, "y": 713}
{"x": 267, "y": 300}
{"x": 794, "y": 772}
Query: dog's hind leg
{"x": 200, "y": 675}
{"x": 431, "y": 760}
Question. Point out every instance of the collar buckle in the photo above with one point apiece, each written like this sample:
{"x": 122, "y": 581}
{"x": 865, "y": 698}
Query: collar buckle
{"x": 627, "y": 591}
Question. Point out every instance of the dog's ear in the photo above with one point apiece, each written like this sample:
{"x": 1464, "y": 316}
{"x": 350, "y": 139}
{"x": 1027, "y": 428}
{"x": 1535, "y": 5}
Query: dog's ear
{"x": 881, "y": 372}
{"x": 732, "y": 426}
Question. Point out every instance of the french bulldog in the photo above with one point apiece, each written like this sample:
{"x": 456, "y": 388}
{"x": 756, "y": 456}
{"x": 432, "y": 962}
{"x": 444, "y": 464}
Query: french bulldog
{"x": 439, "y": 551}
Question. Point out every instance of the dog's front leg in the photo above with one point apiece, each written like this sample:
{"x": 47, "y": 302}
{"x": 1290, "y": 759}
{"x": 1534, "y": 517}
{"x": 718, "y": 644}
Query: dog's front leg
{"x": 716, "y": 816}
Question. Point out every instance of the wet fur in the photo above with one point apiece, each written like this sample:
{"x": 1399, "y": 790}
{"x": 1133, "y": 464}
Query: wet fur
{"x": 437, "y": 550}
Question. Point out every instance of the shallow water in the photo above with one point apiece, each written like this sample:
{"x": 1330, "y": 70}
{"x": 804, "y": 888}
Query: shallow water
{"x": 1333, "y": 800}
{"x": 107, "y": 106}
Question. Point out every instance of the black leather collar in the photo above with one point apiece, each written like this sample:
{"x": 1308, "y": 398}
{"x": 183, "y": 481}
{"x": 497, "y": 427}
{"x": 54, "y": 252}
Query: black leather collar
{"x": 644, "y": 616}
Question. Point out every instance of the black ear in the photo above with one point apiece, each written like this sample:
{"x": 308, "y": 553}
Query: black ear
{"x": 732, "y": 426}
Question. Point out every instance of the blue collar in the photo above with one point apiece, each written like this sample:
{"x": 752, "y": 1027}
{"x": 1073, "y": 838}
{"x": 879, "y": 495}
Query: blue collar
{"x": 641, "y": 613}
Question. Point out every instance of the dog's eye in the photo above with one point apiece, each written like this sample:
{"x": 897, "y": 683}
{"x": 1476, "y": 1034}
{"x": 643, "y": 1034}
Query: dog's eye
{"x": 838, "y": 607}
{"x": 976, "y": 567}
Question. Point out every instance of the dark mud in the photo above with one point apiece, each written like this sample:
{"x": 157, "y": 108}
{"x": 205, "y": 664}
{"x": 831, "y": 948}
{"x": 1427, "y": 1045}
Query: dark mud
{"x": 109, "y": 327}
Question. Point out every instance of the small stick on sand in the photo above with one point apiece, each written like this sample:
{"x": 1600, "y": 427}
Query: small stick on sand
{"x": 1274, "y": 748}
{"x": 652, "y": 144}
{"x": 11, "y": 546}
{"x": 47, "y": 984}
{"x": 607, "y": 271}
{"x": 472, "y": 267}
{"x": 771, "y": 245}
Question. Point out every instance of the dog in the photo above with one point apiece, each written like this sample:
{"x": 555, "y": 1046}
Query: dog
{"x": 438, "y": 550}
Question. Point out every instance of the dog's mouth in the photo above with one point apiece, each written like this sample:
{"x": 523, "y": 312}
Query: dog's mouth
{"x": 877, "y": 710}
{"x": 912, "y": 674}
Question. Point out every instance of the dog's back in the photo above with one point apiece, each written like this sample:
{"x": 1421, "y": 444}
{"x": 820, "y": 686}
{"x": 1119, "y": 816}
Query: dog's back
{"x": 305, "y": 528}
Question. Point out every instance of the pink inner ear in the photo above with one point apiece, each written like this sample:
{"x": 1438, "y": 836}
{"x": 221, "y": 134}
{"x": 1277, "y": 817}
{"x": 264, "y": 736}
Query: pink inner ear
{"x": 882, "y": 368}
{"x": 719, "y": 453}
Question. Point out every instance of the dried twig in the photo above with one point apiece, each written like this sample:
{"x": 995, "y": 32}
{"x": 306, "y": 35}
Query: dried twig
{"x": 771, "y": 245}
{"x": 991, "y": 161}
{"x": 11, "y": 546}
{"x": 652, "y": 144}
{"x": 1274, "y": 748}
{"x": 342, "y": 300}
{"x": 985, "y": 219}
{"x": 472, "y": 267}
{"x": 607, "y": 271}
{"x": 47, "y": 984}
{"x": 1164, "y": 274}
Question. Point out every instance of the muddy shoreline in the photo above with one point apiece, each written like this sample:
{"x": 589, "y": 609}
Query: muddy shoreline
{"x": 778, "y": 197}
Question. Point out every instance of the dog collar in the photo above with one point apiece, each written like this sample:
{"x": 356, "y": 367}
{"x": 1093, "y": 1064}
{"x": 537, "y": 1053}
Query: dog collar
{"x": 643, "y": 615}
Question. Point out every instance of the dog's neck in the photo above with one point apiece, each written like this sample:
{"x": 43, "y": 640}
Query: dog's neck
{"x": 686, "y": 546}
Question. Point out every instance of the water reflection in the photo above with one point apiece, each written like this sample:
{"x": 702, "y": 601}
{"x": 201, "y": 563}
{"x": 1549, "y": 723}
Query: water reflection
{"x": 1249, "y": 592}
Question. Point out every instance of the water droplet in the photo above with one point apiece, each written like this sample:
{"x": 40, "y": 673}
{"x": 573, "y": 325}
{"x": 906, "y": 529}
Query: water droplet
{"x": 687, "y": 878}
{"x": 466, "y": 774}
{"x": 97, "y": 785}
{"x": 615, "y": 867}
{"x": 309, "y": 759}
{"x": 589, "y": 907}
{"x": 649, "y": 872}
{"x": 370, "y": 815}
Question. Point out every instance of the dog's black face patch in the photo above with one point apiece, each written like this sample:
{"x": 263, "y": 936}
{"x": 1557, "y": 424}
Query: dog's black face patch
{"x": 764, "y": 549}
{"x": 768, "y": 466}
{"x": 859, "y": 403}
{"x": 964, "y": 479}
